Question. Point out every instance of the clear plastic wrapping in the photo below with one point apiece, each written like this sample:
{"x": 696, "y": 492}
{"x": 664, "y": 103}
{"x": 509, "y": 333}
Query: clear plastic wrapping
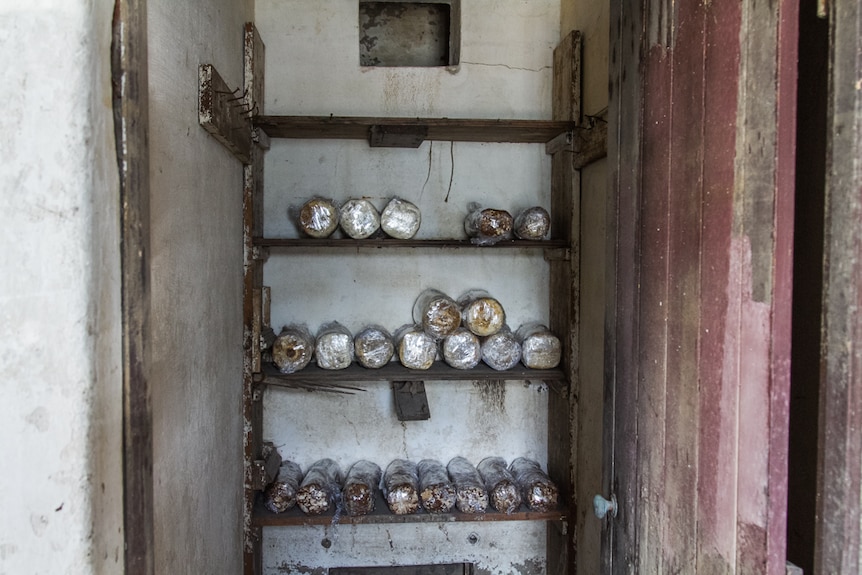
{"x": 362, "y": 479}
{"x": 480, "y": 313}
{"x": 292, "y": 349}
{"x": 533, "y": 223}
{"x": 537, "y": 489}
{"x": 334, "y": 346}
{"x": 540, "y": 349}
{"x": 437, "y": 313}
{"x": 401, "y": 487}
{"x": 359, "y": 219}
{"x": 501, "y": 351}
{"x": 320, "y": 487}
{"x": 318, "y": 217}
{"x": 416, "y": 349}
{"x": 436, "y": 491}
{"x": 374, "y": 347}
{"x": 400, "y": 219}
{"x": 501, "y": 486}
{"x": 461, "y": 349}
{"x": 280, "y": 495}
{"x": 470, "y": 494}
{"x": 487, "y": 226}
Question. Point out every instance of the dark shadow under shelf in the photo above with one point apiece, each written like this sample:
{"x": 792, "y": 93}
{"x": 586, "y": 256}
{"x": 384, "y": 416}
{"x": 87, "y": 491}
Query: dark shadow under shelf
{"x": 381, "y": 515}
{"x": 396, "y": 372}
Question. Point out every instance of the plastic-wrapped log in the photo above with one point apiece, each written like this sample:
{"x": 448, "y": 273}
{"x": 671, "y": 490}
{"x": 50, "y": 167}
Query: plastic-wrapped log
{"x": 359, "y": 485}
{"x": 437, "y": 313}
{"x": 416, "y": 349}
{"x": 501, "y": 486}
{"x": 537, "y": 489}
{"x": 373, "y": 347}
{"x": 401, "y": 487}
{"x": 400, "y": 219}
{"x": 480, "y": 313}
{"x": 359, "y": 219}
{"x": 292, "y": 349}
{"x": 462, "y": 349}
{"x": 501, "y": 351}
{"x": 540, "y": 349}
{"x": 533, "y": 223}
{"x": 319, "y": 488}
{"x": 334, "y": 346}
{"x": 280, "y": 495}
{"x": 488, "y": 226}
{"x": 470, "y": 494}
{"x": 318, "y": 217}
{"x": 436, "y": 491}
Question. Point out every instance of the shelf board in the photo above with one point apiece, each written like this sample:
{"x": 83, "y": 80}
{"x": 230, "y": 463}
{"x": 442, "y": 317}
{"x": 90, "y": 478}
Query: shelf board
{"x": 445, "y": 129}
{"x": 263, "y": 517}
{"x": 394, "y": 371}
{"x": 347, "y": 243}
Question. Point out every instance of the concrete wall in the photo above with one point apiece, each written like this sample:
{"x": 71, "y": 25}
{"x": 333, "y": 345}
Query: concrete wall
{"x": 592, "y": 19}
{"x": 505, "y": 72}
{"x": 60, "y": 373}
{"x": 196, "y": 235}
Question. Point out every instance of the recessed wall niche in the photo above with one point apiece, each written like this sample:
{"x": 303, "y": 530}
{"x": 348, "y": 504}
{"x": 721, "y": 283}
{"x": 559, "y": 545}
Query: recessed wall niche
{"x": 396, "y": 33}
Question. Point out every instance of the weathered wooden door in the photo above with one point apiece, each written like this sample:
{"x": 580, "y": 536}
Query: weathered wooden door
{"x": 701, "y": 144}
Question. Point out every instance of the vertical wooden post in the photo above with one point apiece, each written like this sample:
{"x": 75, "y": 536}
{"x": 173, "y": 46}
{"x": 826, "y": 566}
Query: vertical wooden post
{"x": 838, "y": 547}
{"x": 252, "y": 213}
{"x": 131, "y": 124}
{"x": 564, "y": 286}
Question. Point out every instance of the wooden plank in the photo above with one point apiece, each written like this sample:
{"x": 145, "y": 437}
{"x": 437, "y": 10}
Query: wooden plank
{"x": 625, "y": 123}
{"x": 131, "y": 112}
{"x": 720, "y": 305}
{"x": 347, "y": 243}
{"x": 252, "y": 214}
{"x": 566, "y": 89}
{"x": 682, "y": 422}
{"x": 445, "y": 129}
{"x": 440, "y": 371}
{"x": 839, "y": 508}
{"x": 221, "y": 113}
{"x": 589, "y": 145}
{"x": 382, "y": 516}
{"x": 654, "y": 316}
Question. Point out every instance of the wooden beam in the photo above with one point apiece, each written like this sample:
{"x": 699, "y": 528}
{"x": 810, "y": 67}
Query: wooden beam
{"x": 222, "y": 113}
{"x": 131, "y": 112}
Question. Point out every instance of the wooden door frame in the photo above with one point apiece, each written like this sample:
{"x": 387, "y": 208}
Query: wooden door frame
{"x": 129, "y": 78}
{"x": 838, "y": 541}
{"x": 739, "y": 91}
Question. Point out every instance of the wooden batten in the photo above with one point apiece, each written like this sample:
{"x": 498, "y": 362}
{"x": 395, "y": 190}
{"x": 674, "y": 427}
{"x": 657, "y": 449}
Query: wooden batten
{"x": 222, "y": 113}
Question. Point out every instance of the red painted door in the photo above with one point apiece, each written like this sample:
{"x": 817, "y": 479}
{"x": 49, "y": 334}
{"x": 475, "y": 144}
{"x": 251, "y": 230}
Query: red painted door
{"x": 702, "y": 144}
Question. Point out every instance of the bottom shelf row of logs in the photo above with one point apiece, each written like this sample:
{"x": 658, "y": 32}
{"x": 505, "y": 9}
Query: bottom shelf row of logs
{"x": 408, "y": 487}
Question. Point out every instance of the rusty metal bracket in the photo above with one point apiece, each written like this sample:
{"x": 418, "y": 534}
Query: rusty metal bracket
{"x": 222, "y": 113}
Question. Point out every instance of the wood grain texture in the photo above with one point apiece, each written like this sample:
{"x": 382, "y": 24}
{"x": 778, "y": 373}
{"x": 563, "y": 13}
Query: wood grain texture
{"x": 839, "y": 541}
{"x": 221, "y": 113}
{"x": 129, "y": 75}
{"x": 253, "y": 307}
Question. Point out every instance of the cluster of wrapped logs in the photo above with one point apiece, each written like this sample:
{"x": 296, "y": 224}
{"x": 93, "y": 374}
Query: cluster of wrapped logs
{"x": 408, "y": 487}
{"x": 461, "y": 332}
{"x": 359, "y": 219}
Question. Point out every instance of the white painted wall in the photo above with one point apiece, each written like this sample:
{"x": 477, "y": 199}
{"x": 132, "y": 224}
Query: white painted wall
{"x": 60, "y": 371}
{"x": 505, "y": 72}
{"x": 196, "y": 235}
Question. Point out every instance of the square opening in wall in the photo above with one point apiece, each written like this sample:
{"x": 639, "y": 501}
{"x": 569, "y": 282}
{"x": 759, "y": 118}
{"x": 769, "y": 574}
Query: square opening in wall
{"x": 395, "y": 33}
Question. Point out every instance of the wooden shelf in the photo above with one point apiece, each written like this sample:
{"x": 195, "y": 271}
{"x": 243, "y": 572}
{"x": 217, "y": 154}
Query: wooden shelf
{"x": 381, "y": 515}
{"x": 346, "y": 243}
{"x": 445, "y": 129}
{"x": 397, "y": 372}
